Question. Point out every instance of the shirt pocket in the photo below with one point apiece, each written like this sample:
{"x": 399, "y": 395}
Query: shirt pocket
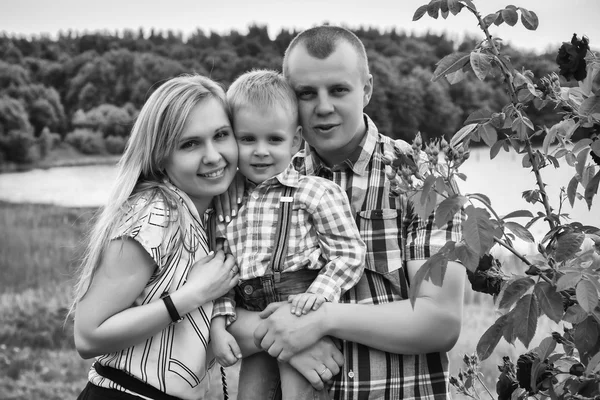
{"x": 381, "y": 230}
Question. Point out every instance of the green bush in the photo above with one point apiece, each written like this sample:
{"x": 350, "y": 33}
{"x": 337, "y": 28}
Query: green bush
{"x": 16, "y": 146}
{"x": 47, "y": 141}
{"x": 86, "y": 141}
{"x": 115, "y": 144}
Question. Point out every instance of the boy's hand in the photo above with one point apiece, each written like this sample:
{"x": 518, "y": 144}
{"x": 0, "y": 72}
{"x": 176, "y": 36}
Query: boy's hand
{"x": 303, "y": 303}
{"x": 226, "y": 350}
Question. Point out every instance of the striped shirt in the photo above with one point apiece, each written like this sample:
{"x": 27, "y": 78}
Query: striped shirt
{"x": 176, "y": 359}
{"x": 393, "y": 233}
{"x": 322, "y": 236}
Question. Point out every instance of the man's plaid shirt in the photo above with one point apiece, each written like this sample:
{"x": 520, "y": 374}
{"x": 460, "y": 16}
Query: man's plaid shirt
{"x": 323, "y": 235}
{"x": 394, "y": 234}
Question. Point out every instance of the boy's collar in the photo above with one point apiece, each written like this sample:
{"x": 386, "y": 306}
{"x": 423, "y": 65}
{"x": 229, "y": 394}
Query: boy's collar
{"x": 357, "y": 161}
{"x": 288, "y": 177}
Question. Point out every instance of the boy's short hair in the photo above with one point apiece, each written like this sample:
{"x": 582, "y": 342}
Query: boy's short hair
{"x": 263, "y": 89}
{"x": 321, "y": 41}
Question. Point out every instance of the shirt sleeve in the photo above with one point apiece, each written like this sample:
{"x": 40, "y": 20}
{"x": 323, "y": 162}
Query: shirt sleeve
{"x": 225, "y": 305}
{"x": 423, "y": 237}
{"x": 340, "y": 243}
{"x": 151, "y": 225}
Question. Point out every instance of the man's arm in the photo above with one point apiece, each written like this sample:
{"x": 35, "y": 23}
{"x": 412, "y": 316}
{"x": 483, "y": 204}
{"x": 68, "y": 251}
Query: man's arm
{"x": 433, "y": 325}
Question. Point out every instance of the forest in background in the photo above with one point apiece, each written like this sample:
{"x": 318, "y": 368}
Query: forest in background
{"x": 85, "y": 89}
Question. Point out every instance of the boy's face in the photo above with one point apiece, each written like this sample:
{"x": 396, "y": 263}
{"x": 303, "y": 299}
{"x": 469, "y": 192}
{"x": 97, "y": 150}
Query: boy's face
{"x": 332, "y": 93}
{"x": 267, "y": 140}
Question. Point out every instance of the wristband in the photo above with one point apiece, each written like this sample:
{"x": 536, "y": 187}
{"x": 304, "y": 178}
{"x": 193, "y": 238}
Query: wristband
{"x": 175, "y": 317}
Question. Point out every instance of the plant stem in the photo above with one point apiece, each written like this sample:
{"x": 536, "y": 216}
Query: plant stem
{"x": 520, "y": 257}
{"x": 485, "y": 387}
{"x": 514, "y": 99}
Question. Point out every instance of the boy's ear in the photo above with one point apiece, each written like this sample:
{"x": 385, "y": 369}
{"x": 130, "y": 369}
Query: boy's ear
{"x": 368, "y": 90}
{"x": 297, "y": 140}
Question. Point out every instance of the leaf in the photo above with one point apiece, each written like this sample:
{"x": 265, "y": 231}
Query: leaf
{"x": 585, "y": 335}
{"x": 587, "y": 295}
{"x": 581, "y": 160}
{"x": 447, "y": 208}
{"x": 518, "y": 213}
{"x": 479, "y": 116}
{"x": 567, "y": 281}
{"x": 581, "y": 144}
{"x": 481, "y": 64}
{"x": 510, "y": 16}
{"x": 462, "y": 134}
{"x": 427, "y": 185}
{"x": 575, "y": 314}
{"x": 438, "y": 260}
{"x": 451, "y": 63}
{"x": 454, "y": 6}
{"x": 549, "y": 139}
{"x": 489, "y": 19}
{"x": 526, "y": 313}
{"x": 478, "y": 232}
{"x": 592, "y": 364}
{"x": 567, "y": 245}
{"x": 529, "y": 19}
{"x": 545, "y": 348}
{"x": 482, "y": 198}
{"x": 489, "y": 340}
{"x": 550, "y": 300}
{"x": 420, "y": 12}
{"x": 456, "y": 76}
{"x": 572, "y": 190}
{"x": 433, "y": 8}
{"x": 496, "y": 149}
{"x": 514, "y": 290}
{"x": 520, "y": 231}
{"x": 468, "y": 257}
{"x": 590, "y": 106}
{"x": 488, "y": 134}
{"x": 591, "y": 189}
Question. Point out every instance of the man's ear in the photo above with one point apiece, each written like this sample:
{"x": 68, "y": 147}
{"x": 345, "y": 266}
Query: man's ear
{"x": 297, "y": 140}
{"x": 368, "y": 90}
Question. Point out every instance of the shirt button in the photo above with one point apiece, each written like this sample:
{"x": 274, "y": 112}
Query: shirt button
{"x": 351, "y": 374}
{"x": 248, "y": 289}
{"x": 255, "y": 195}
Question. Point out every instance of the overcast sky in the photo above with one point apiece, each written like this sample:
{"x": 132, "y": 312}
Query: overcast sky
{"x": 558, "y": 19}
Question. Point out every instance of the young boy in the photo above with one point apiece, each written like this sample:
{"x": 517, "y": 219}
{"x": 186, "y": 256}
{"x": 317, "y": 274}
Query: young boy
{"x": 316, "y": 259}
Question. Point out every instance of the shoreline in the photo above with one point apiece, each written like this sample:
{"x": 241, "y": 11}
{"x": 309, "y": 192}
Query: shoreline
{"x": 64, "y": 162}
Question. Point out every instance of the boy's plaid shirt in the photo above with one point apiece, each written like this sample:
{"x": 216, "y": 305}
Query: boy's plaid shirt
{"x": 323, "y": 235}
{"x": 393, "y": 234}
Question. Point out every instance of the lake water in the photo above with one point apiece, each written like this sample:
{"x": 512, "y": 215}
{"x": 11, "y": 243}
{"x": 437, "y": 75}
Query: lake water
{"x": 502, "y": 179}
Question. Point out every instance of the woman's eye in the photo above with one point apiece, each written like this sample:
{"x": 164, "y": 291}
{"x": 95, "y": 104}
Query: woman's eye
{"x": 188, "y": 144}
{"x": 222, "y": 134}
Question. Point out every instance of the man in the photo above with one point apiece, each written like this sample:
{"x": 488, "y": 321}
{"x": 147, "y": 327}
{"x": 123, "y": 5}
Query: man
{"x": 391, "y": 350}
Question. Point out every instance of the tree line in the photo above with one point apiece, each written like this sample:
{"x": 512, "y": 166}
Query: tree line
{"x": 85, "y": 89}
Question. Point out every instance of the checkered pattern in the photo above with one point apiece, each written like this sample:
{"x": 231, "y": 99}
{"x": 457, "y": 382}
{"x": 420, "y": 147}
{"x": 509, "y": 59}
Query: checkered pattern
{"x": 393, "y": 233}
{"x": 323, "y": 235}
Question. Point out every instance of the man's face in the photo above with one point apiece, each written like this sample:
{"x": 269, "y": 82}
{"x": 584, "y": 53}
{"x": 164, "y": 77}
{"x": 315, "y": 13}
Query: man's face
{"x": 332, "y": 93}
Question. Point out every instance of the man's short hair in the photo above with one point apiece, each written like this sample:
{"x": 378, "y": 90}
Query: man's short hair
{"x": 263, "y": 89}
{"x": 321, "y": 42}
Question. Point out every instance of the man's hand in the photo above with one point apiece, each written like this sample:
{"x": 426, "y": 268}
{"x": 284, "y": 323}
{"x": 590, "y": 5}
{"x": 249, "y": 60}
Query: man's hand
{"x": 226, "y": 205}
{"x": 319, "y": 363}
{"x": 282, "y": 334}
{"x": 304, "y": 302}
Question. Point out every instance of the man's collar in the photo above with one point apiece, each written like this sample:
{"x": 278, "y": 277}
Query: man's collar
{"x": 357, "y": 161}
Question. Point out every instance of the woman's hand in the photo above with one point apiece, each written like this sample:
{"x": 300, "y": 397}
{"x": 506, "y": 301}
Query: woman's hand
{"x": 226, "y": 205}
{"x": 211, "y": 277}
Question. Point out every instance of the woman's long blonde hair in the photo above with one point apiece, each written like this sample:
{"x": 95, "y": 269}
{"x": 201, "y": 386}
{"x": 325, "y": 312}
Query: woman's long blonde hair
{"x": 141, "y": 168}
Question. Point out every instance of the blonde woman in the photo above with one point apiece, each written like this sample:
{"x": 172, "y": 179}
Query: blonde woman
{"x": 145, "y": 293}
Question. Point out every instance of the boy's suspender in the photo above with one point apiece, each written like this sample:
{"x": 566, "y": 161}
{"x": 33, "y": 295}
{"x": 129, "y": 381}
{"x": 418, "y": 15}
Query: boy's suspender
{"x": 281, "y": 235}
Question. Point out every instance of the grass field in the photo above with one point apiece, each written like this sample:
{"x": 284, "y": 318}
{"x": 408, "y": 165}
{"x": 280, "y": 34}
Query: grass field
{"x": 39, "y": 249}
